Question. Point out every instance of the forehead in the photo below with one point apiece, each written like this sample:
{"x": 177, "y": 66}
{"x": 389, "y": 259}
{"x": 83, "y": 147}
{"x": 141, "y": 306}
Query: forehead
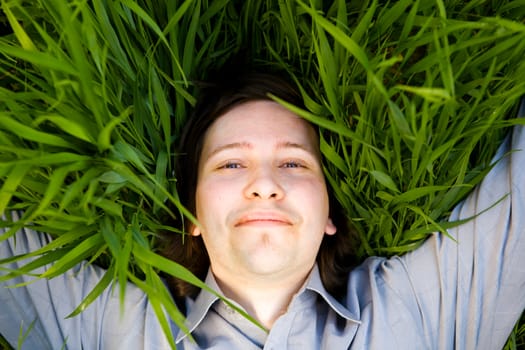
{"x": 262, "y": 122}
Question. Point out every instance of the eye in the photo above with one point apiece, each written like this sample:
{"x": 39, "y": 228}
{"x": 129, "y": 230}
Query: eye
{"x": 292, "y": 164}
{"x": 231, "y": 165}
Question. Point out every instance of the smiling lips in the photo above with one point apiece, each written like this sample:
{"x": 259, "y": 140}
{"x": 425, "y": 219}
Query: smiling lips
{"x": 263, "y": 219}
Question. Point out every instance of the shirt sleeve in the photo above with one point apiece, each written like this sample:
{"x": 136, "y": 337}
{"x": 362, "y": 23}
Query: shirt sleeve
{"x": 468, "y": 292}
{"x": 35, "y": 314}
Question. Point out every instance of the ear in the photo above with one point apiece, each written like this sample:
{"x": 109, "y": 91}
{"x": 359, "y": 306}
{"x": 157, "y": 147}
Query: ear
{"x": 195, "y": 230}
{"x": 330, "y": 228}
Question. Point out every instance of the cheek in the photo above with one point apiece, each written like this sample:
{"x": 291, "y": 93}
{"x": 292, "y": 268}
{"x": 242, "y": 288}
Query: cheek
{"x": 313, "y": 193}
{"x": 312, "y": 196}
{"x": 204, "y": 205}
{"x": 202, "y": 202}
{"x": 212, "y": 197}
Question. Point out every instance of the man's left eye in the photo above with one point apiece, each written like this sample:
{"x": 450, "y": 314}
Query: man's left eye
{"x": 292, "y": 164}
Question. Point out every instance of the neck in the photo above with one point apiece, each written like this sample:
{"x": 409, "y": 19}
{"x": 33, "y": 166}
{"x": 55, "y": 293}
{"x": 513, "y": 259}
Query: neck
{"x": 265, "y": 300}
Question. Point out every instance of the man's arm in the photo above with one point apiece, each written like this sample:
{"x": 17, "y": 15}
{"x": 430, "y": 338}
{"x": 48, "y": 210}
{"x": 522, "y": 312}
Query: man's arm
{"x": 461, "y": 291}
{"x": 37, "y": 312}
{"x": 470, "y": 292}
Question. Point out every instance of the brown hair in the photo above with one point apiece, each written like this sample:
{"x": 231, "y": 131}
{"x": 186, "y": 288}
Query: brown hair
{"x": 222, "y": 92}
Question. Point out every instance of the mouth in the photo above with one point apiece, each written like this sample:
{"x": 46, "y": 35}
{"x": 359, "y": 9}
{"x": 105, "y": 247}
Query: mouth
{"x": 263, "y": 219}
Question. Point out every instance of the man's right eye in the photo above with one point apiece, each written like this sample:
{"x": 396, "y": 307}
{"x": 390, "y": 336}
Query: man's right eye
{"x": 231, "y": 165}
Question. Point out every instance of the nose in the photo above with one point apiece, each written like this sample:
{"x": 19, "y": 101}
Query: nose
{"x": 264, "y": 184}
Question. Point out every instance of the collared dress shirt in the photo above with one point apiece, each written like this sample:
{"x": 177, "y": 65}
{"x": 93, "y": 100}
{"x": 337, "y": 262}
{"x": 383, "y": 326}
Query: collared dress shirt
{"x": 462, "y": 291}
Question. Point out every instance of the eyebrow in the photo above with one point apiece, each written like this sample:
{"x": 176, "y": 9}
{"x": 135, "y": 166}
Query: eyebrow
{"x": 288, "y": 144}
{"x": 247, "y": 145}
{"x": 228, "y": 146}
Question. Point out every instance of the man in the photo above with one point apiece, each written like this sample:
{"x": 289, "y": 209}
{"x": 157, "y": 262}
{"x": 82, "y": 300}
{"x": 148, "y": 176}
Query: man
{"x": 265, "y": 225}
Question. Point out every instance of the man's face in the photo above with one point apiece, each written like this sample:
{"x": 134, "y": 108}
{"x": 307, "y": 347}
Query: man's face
{"x": 261, "y": 198}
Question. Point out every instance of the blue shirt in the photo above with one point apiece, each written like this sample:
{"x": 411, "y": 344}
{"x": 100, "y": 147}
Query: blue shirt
{"x": 465, "y": 291}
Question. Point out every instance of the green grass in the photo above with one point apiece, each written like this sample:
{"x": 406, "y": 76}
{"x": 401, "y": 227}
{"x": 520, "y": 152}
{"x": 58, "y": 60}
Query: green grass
{"x": 414, "y": 97}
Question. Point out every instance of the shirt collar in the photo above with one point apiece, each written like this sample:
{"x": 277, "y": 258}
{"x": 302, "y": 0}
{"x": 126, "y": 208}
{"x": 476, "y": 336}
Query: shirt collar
{"x": 315, "y": 284}
{"x": 198, "y": 308}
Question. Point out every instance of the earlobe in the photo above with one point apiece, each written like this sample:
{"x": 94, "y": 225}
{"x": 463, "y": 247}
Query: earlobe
{"x": 195, "y": 230}
{"x": 330, "y": 228}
